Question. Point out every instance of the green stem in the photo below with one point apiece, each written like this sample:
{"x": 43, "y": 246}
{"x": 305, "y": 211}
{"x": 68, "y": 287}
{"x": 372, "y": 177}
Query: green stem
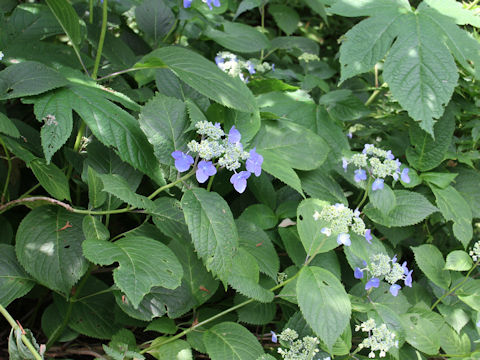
{"x": 94, "y": 294}
{"x": 452, "y": 290}
{"x": 372, "y": 97}
{"x": 262, "y": 24}
{"x": 78, "y": 143}
{"x": 210, "y": 181}
{"x": 9, "y": 171}
{"x": 472, "y": 4}
{"x": 101, "y": 40}
{"x": 365, "y": 194}
{"x": 15, "y": 327}
{"x": 90, "y": 12}
{"x": 168, "y": 186}
{"x": 32, "y": 189}
{"x": 59, "y": 330}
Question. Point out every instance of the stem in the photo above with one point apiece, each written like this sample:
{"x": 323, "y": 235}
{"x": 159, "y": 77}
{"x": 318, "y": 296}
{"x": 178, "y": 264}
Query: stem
{"x": 90, "y": 12}
{"x": 33, "y": 188}
{"x": 262, "y": 24}
{"x": 455, "y": 287}
{"x": 76, "y": 146}
{"x": 101, "y": 40}
{"x": 15, "y": 327}
{"x": 168, "y": 186}
{"x": 94, "y": 294}
{"x": 9, "y": 171}
{"x": 472, "y": 4}
{"x": 59, "y": 330}
{"x": 372, "y": 97}
{"x": 210, "y": 181}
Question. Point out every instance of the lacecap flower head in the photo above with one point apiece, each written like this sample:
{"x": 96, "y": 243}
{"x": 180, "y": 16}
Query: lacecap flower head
{"x": 380, "y": 338}
{"x": 341, "y": 221}
{"x": 234, "y": 66}
{"x": 216, "y": 3}
{"x": 377, "y": 163}
{"x": 216, "y": 149}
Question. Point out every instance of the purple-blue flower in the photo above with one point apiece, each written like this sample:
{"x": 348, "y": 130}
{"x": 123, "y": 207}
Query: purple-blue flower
{"x": 344, "y": 238}
{"x": 366, "y": 147}
{"x": 368, "y": 235}
{"x": 408, "y": 279}
{"x": 390, "y": 155}
{"x": 377, "y": 184}
{"x": 273, "y": 67}
{"x": 254, "y": 163}
{"x": 187, "y": 3}
{"x": 239, "y": 180}
{"x": 216, "y": 3}
{"x": 182, "y": 160}
{"x": 373, "y": 282}
{"x": 250, "y": 67}
{"x": 205, "y": 169}
{"x": 344, "y": 164}
{"x": 358, "y": 273}
{"x": 274, "y": 337}
{"x": 394, "y": 289}
{"x": 360, "y": 175}
{"x": 350, "y": 135}
{"x": 404, "y": 175}
{"x": 394, "y": 259}
{"x": 234, "y": 135}
{"x": 219, "y": 60}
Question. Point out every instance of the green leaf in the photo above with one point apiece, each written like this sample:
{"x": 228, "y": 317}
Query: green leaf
{"x": 286, "y": 17}
{"x": 411, "y": 209}
{"x": 246, "y": 5}
{"x": 143, "y": 264}
{"x": 425, "y": 152}
{"x": 96, "y": 196}
{"x": 293, "y": 245}
{"x": 383, "y": 199}
{"x": 297, "y": 146}
{"x": 455, "y": 317}
{"x": 51, "y": 255}
{"x": 262, "y": 86}
{"x": 261, "y": 215}
{"x": 17, "y": 350}
{"x": 455, "y": 208}
{"x": 14, "y": 281}
{"x": 458, "y": 260}
{"x": 52, "y": 320}
{"x": 94, "y": 229}
{"x": 162, "y": 325}
{"x": 255, "y": 313}
{"x": 7, "y": 127}
{"x": 229, "y": 340}
{"x": 28, "y": 78}
{"x": 319, "y": 184}
{"x": 318, "y": 7}
{"x": 211, "y": 225}
{"x": 343, "y": 105}
{"x": 313, "y": 240}
{"x": 354, "y": 8}
{"x": 202, "y": 75}
{"x": 178, "y": 350}
{"x": 116, "y": 185}
{"x": 420, "y": 71}
{"x": 419, "y": 329}
{"x": 164, "y": 123}
{"x": 324, "y": 303}
{"x": 68, "y": 19}
{"x": 332, "y": 132}
{"x": 51, "y": 178}
{"x": 91, "y": 315}
{"x": 244, "y": 277}
{"x": 469, "y": 293}
{"x": 154, "y": 18}
{"x": 238, "y": 37}
{"x": 466, "y": 183}
{"x": 257, "y": 243}
{"x": 453, "y": 343}
{"x": 168, "y": 218}
{"x": 295, "y": 42}
{"x": 455, "y": 10}
{"x": 199, "y": 281}
{"x": 57, "y": 129}
{"x": 430, "y": 260}
{"x": 441, "y": 180}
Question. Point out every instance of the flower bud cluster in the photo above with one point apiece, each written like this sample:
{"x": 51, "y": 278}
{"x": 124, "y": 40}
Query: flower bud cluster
{"x": 342, "y": 219}
{"x": 381, "y": 266}
{"x": 379, "y": 163}
{"x": 379, "y": 338}
{"x": 307, "y": 57}
{"x": 304, "y": 349}
{"x": 227, "y": 148}
{"x": 475, "y": 252}
{"x": 234, "y": 66}
{"x": 216, "y": 3}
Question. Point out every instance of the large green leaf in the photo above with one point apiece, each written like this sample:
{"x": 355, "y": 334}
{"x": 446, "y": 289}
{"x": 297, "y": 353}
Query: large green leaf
{"x": 455, "y": 10}
{"x": 419, "y": 329}
{"x": 426, "y": 153}
{"x": 68, "y": 19}
{"x": 324, "y": 303}
{"x": 455, "y": 208}
{"x": 319, "y": 184}
{"x": 261, "y": 215}
{"x": 298, "y": 147}
{"x": 143, "y": 264}
{"x": 285, "y": 16}
{"x": 212, "y": 228}
{"x": 354, "y": 8}
{"x": 232, "y": 341}
{"x": 14, "y": 281}
{"x": 28, "y": 78}
{"x": 51, "y": 178}
{"x": 469, "y": 293}
{"x": 430, "y": 260}
{"x": 49, "y": 246}
{"x": 164, "y": 122}
{"x": 55, "y": 131}
{"x": 7, "y": 126}
{"x": 274, "y": 165}
{"x": 169, "y": 218}
{"x": 154, "y": 18}
{"x": 411, "y": 208}
{"x": 202, "y": 75}
{"x": 466, "y": 183}
{"x": 238, "y": 37}
{"x": 458, "y": 260}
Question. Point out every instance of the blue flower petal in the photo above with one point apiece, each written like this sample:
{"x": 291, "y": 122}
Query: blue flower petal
{"x": 274, "y": 337}
{"x": 234, "y": 135}
{"x": 373, "y": 282}
{"x": 182, "y": 160}
{"x": 344, "y": 238}
{"x": 239, "y": 181}
{"x": 187, "y": 3}
{"x": 404, "y": 176}
{"x": 360, "y": 175}
{"x": 205, "y": 169}
{"x": 368, "y": 235}
{"x": 358, "y": 273}
{"x": 377, "y": 184}
{"x": 254, "y": 162}
{"x": 394, "y": 289}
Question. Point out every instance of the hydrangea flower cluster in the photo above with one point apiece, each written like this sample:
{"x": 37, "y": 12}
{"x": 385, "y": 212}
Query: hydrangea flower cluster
{"x": 381, "y": 266}
{"x": 234, "y": 66}
{"x": 379, "y": 164}
{"x": 475, "y": 252}
{"x": 342, "y": 219}
{"x": 379, "y": 338}
{"x": 216, "y": 3}
{"x": 227, "y": 148}
{"x": 307, "y": 57}
{"x": 304, "y": 349}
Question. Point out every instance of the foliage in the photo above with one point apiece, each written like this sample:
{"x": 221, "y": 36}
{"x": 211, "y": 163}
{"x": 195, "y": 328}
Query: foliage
{"x": 187, "y": 179}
